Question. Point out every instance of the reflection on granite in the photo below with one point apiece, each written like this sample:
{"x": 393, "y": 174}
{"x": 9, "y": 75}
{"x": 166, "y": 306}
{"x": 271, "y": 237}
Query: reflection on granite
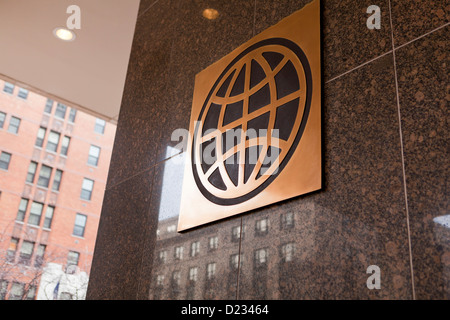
{"x": 358, "y": 219}
{"x": 423, "y": 76}
{"x": 194, "y": 265}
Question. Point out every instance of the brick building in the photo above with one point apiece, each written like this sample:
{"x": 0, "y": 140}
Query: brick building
{"x": 54, "y": 164}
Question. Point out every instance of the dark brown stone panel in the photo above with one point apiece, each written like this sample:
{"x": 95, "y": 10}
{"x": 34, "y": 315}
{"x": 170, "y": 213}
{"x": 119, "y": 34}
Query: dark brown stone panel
{"x": 424, "y": 103}
{"x": 346, "y": 40}
{"x": 125, "y": 226}
{"x": 142, "y": 114}
{"x": 412, "y": 19}
{"x": 358, "y": 219}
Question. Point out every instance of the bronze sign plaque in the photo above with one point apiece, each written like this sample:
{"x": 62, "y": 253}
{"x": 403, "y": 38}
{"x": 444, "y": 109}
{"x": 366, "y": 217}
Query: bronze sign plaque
{"x": 255, "y": 130}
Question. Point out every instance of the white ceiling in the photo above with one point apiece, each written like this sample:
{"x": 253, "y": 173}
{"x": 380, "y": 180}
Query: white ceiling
{"x": 89, "y": 72}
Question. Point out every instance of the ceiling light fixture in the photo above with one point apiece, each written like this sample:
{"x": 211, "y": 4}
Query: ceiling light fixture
{"x": 64, "y": 34}
{"x": 210, "y": 14}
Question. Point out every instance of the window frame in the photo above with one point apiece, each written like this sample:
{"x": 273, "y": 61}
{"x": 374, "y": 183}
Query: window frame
{"x": 52, "y": 146}
{"x": 3, "y": 161}
{"x": 48, "y": 218}
{"x": 34, "y": 215}
{"x": 40, "y": 140}
{"x": 49, "y": 106}
{"x": 93, "y": 159}
{"x": 44, "y": 178}
{"x": 31, "y": 174}
{"x": 99, "y": 126}
{"x": 58, "y": 111}
{"x": 14, "y": 125}
{"x": 86, "y": 191}
{"x": 65, "y": 148}
{"x": 2, "y": 119}
{"x": 77, "y": 227}
{"x": 57, "y": 178}
{"x": 23, "y": 93}
{"x": 20, "y": 217}
{"x": 8, "y": 88}
{"x": 72, "y": 115}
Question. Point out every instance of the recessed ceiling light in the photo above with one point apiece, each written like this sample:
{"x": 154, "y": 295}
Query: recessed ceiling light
{"x": 210, "y": 14}
{"x": 64, "y": 34}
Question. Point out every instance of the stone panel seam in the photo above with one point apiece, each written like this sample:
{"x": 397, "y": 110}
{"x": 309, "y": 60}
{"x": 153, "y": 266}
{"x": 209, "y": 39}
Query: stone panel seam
{"x": 143, "y": 12}
{"x": 140, "y": 172}
{"x": 242, "y": 220}
{"x": 402, "y": 155}
{"x": 138, "y": 294}
{"x": 388, "y": 52}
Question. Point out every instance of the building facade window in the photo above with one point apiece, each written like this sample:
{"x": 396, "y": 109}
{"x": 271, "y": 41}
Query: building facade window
{"x": 48, "y": 217}
{"x": 162, "y": 256}
{"x": 99, "y": 126}
{"x": 72, "y": 115}
{"x": 57, "y": 180}
{"x": 160, "y": 280}
{"x": 14, "y": 125}
{"x": 73, "y": 258}
{"x": 171, "y": 228}
{"x": 213, "y": 243}
{"x": 94, "y": 154}
{"x": 22, "y": 210}
{"x": 40, "y": 137}
{"x": 2, "y": 119}
{"x": 31, "y": 172}
{"x": 236, "y": 260}
{"x": 8, "y": 88}
{"x": 262, "y": 226}
{"x": 176, "y": 278}
{"x": 65, "y": 145}
{"x": 287, "y": 252}
{"x": 53, "y": 141}
{"x": 35, "y": 213}
{"x": 261, "y": 256}
{"x": 236, "y": 233}
{"x": 287, "y": 220}
{"x": 80, "y": 225}
{"x": 178, "y": 254}
{"x": 211, "y": 270}
{"x": 195, "y": 248}
{"x": 12, "y": 249}
{"x": 3, "y": 289}
{"x": 86, "y": 189}
{"x": 26, "y": 251}
{"x": 39, "y": 257}
{"x": 17, "y": 291}
{"x": 48, "y": 106}
{"x": 23, "y": 93}
{"x": 193, "y": 274}
{"x": 31, "y": 293}
{"x": 60, "y": 111}
{"x": 44, "y": 176}
{"x": 5, "y": 159}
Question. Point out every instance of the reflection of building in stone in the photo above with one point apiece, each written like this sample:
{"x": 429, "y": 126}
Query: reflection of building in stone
{"x": 200, "y": 265}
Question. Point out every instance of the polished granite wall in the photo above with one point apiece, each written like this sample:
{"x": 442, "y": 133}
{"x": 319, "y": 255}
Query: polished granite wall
{"x": 384, "y": 200}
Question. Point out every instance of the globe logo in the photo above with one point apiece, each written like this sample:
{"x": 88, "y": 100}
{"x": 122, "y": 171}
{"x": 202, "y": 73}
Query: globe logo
{"x": 251, "y": 121}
